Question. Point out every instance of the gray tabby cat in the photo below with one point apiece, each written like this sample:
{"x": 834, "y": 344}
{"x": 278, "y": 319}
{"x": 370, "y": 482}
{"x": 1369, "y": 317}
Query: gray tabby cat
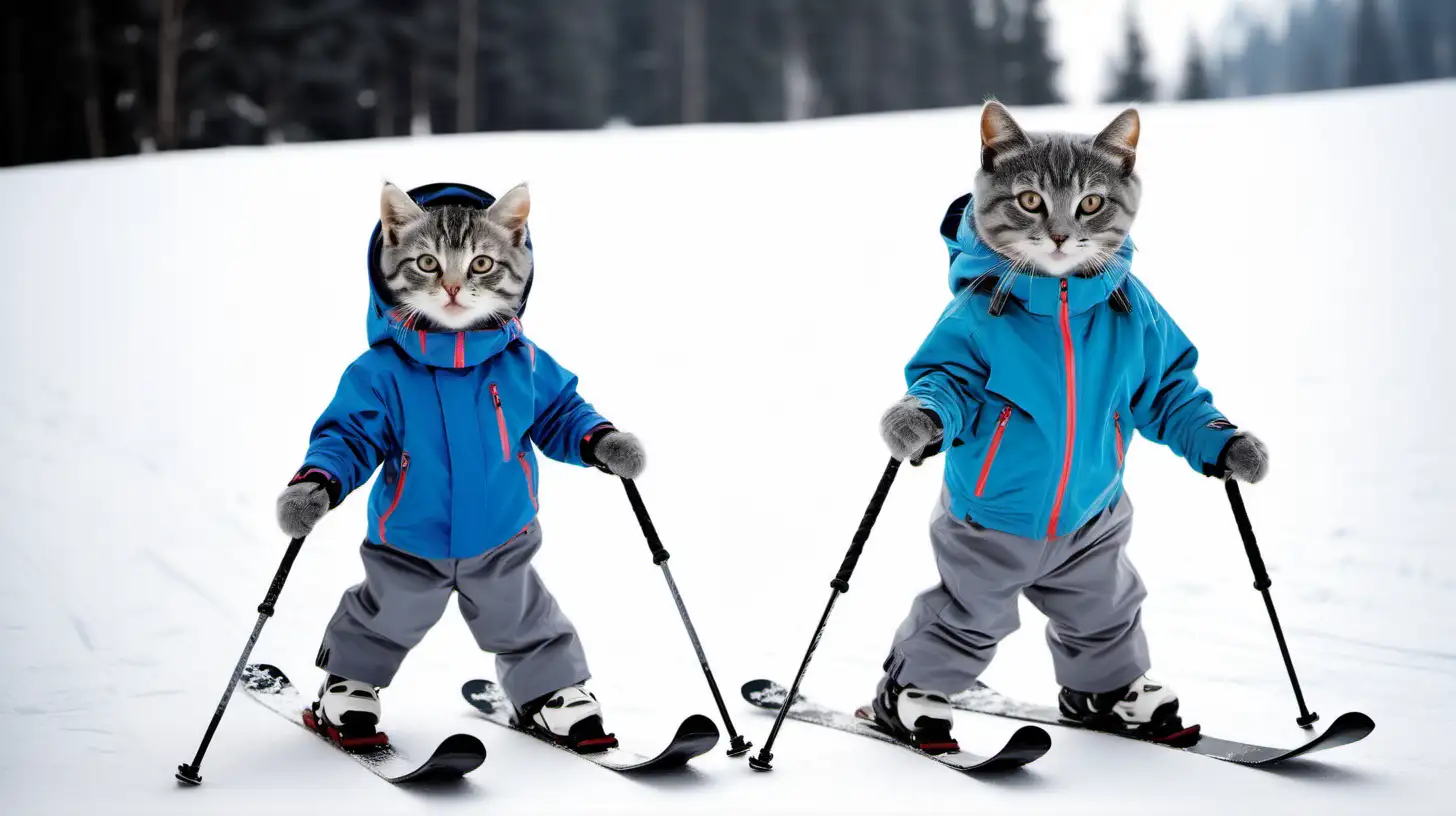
{"x": 454, "y": 268}
{"x": 1056, "y": 203}
{"x": 1053, "y": 204}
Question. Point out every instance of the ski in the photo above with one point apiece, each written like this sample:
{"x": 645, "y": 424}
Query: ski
{"x": 457, "y": 755}
{"x": 696, "y": 736}
{"x": 1346, "y": 728}
{"x": 1028, "y": 744}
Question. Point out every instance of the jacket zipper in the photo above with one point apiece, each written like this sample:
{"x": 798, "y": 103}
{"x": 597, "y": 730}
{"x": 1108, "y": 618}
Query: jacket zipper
{"x": 1069, "y": 357}
{"x": 1117, "y": 426}
{"x": 500, "y": 419}
{"x": 398, "y": 491}
{"x": 995, "y": 446}
{"x": 530, "y": 481}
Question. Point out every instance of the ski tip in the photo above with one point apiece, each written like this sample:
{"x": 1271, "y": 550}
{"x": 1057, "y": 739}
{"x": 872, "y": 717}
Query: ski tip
{"x": 263, "y": 677}
{"x": 1033, "y": 738}
{"x": 755, "y": 690}
{"x": 697, "y": 727}
{"x": 1354, "y": 724}
{"x": 483, "y": 694}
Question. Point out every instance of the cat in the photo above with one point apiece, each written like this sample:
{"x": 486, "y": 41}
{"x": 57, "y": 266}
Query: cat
{"x": 1056, "y": 204}
{"x": 454, "y": 268}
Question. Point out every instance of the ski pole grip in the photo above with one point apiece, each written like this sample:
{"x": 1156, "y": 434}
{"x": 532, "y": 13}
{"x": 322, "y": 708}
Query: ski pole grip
{"x": 867, "y": 523}
{"x": 1246, "y": 531}
{"x": 276, "y": 588}
{"x": 659, "y": 554}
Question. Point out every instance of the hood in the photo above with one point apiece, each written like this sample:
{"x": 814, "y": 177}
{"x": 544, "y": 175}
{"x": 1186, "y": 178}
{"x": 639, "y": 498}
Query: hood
{"x": 441, "y": 349}
{"x": 973, "y": 262}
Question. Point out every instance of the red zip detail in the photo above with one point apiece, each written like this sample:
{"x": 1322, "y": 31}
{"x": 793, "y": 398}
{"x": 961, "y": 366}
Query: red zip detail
{"x": 1069, "y": 356}
{"x": 1117, "y": 425}
{"x": 995, "y": 446}
{"x": 398, "y": 491}
{"x": 500, "y": 419}
{"x": 422, "y": 342}
{"x": 530, "y": 484}
{"x": 459, "y": 349}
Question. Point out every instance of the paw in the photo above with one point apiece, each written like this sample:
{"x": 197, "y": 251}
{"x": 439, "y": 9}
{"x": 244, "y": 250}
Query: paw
{"x": 300, "y": 506}
{"x": 1245, "y": 458}
{"x": 621, "y": 454}
{"x": 908, "y": 428}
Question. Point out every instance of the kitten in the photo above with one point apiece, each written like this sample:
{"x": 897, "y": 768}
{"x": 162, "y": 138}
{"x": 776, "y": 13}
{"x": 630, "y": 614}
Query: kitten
{"x": 454, "y": 268}
{"x": 1055, "y": 203}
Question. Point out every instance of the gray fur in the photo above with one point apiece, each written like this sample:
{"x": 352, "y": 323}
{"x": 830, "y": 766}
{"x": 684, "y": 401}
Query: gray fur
{"x": 1246, "y": 458}
{"x": 300, "y": 507}
{"x": 622, "y": 454}
{"x": 1063, "y": 169}
{"x": 907, "y": 430}
{"x": 454, "y": 237}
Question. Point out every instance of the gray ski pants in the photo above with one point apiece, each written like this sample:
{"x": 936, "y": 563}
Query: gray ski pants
{"x": 1083, "y": 582}
{"x": 508, "y": 610}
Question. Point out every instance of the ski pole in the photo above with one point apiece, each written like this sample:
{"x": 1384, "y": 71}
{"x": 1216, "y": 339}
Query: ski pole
{"x": 839, "y": 586}
{"x": 1262, "y": 583}
{"x": 190, "y": 774}
{"x": 737, "y": 746}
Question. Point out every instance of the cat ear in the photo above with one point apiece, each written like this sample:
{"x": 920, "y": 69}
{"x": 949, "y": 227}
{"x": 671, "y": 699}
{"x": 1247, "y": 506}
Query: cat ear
{"x": 396, "y": 210}
{"x": 1121, "y": 138}
{"x": 511, "y": 211}
{"x": 999, "y": 132}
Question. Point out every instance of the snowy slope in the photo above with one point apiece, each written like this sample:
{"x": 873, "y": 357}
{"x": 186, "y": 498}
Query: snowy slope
{"x": 743, "y": 298}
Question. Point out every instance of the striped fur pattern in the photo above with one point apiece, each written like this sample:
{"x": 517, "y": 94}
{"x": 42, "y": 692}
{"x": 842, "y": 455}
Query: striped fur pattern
{"x": 454, "y": 268}
{"x": 1056, "y": 204}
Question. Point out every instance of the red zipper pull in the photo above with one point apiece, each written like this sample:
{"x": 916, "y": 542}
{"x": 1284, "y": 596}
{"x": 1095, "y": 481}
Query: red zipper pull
{"x": 495, "y": 395}
{"x": 1005, "y": 417}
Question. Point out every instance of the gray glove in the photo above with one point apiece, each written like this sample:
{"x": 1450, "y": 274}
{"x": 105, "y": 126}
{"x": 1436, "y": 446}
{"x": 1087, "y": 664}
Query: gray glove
{"x": 620, "y": 454}
{"x": 1245, "y": 458}
{"x": 908, "y": 428}
{"x": 300, "y": 506}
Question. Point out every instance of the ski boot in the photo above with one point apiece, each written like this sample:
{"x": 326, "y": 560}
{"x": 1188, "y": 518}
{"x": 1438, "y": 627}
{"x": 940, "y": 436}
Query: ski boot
{"x": 1144, "y": 708}
{"x": 570, "y": 717}
{"x": 918, "y": 717}
{"x": 346, "y": 713}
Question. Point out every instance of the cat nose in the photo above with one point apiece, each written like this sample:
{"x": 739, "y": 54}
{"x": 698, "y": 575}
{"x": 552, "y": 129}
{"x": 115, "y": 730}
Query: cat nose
{"x": 452, "y": 289}
{"x": 1059, "y": 240}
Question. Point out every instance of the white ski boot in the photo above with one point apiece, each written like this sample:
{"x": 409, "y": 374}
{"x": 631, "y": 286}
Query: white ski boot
{"x": 920, "y": 717}
{"x": 1144, "y": 708}
{"x": 347, "y": 712}
{"x": 570, "y": 717}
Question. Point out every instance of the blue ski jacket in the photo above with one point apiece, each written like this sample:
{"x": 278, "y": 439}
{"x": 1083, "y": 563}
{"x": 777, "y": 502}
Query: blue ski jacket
{"x": 452, "y": 417}
{"x": 1039, "y": 382}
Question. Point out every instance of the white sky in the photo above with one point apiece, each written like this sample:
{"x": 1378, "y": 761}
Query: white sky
{"x": 1086, "y": 33}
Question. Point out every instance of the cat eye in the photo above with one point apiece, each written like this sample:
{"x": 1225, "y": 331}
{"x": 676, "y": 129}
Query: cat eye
{"x": 1030, "y": 201}
{"x": 1090, "y": 204}
{"x": 427, "y": 263}
{"x": 482, "y": 264}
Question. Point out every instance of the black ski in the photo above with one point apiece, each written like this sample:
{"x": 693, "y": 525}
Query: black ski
{"x": 1026, "y": 745}
{"x": 1347, "y": 728}
{"x": 458, "y": 755}
{"x": 696, "y": 736}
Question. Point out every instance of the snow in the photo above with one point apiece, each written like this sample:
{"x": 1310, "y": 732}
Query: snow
{"x": 743, "y": 297}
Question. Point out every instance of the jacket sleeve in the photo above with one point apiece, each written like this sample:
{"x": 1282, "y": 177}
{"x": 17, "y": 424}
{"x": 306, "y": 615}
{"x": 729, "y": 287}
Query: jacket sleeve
{"x": 947, "y": 372}
{"x": 1169, "y": 406}
{"x": 348, "y": 441}
{"x": 563, "y": 419}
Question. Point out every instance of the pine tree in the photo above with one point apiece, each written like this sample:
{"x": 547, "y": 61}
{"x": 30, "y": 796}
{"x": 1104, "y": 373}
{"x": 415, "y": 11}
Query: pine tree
{"x": 1131, "y": 82}
{"x": 1196, "y": 84}
{"x": 1374, "y": 58}
{"x": 745, "y": 60}
{"x": 1038, "y": 67}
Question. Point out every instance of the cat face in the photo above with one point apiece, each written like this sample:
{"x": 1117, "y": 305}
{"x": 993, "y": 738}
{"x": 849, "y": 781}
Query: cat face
{"x": 1056, "y": 203}
{"x": 454, "y": 268}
